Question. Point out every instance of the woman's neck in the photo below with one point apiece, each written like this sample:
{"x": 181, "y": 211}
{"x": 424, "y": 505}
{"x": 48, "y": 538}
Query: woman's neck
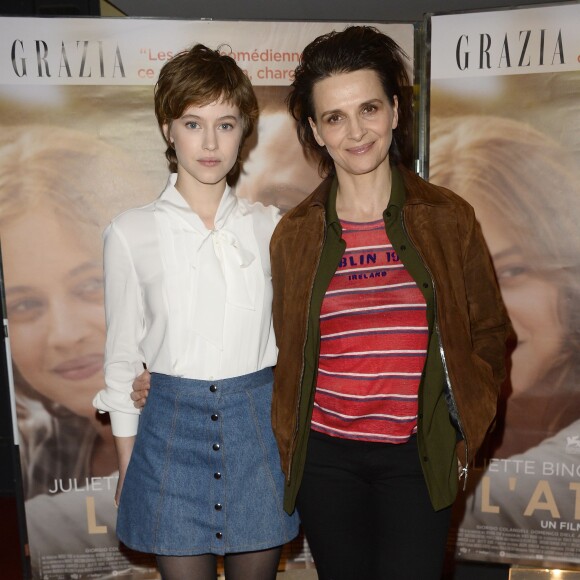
{"x": 363, "y": 198}
{"x": 204, "y": 199}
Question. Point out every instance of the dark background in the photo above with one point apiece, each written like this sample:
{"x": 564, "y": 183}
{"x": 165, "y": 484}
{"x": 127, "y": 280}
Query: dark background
{"x": 327, "y": 10}
{"x": 338, "y": 10}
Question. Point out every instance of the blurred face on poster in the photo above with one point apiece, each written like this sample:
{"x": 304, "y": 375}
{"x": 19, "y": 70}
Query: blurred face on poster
{"x": 532, "y": 301}
{"x": 58, "y": 190}
{"x": 54, "y": 298}
{"x": 275, "y": 170}
{"x": 524, "y": 188}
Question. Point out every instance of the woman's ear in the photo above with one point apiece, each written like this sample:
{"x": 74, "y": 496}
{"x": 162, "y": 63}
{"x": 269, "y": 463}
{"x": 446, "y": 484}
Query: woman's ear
{"x": 166, "y": 128}
{"x": 395, "y": 112}
{"x": 315, "y": 132}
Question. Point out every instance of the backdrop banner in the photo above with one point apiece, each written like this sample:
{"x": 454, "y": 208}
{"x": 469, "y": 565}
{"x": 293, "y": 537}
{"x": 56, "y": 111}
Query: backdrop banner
{"x": 505, "y": 134}
{"x": 79, "y": 144}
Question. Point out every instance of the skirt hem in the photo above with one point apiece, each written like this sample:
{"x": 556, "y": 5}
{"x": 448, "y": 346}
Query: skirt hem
{"x": 199, "y": 550}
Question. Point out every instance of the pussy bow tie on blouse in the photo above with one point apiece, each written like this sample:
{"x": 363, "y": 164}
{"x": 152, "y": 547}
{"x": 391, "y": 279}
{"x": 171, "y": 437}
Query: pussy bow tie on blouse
{"x": 206, "y": 269}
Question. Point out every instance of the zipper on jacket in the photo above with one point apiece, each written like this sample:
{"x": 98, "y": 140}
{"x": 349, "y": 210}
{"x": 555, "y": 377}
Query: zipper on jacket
{"x": 465, "y": 468}
{"x": 299, "y": 401}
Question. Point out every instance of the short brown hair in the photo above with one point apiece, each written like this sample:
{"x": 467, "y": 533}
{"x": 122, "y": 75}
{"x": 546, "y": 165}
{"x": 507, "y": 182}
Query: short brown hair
{"x": 355, "y": 48}
{"x": 200, "y": 76}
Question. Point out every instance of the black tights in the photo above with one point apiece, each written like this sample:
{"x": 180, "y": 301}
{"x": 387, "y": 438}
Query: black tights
{"x": 262, "y": 565}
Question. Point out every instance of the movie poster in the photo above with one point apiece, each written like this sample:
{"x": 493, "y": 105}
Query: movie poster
{"x": 79, "y": 144}
{"x": 505, "y": 134}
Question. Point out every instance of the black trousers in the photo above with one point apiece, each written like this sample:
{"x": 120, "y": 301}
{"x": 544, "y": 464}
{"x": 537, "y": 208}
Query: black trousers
{"x": 366, "y": 512}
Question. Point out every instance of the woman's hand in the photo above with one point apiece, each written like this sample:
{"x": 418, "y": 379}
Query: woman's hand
{"x": 141, "y": 386}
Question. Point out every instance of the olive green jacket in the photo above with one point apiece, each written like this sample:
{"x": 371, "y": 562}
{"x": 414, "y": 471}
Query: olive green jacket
{"x": 438, "y": 239}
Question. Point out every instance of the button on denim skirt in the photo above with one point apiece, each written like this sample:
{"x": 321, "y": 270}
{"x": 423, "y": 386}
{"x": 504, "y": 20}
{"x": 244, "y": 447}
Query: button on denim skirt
{"x": 204, "y": 475}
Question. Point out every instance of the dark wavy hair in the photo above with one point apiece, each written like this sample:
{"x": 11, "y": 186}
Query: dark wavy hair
{"x": 200, "y": 76}
{"x": 355, "y": 48}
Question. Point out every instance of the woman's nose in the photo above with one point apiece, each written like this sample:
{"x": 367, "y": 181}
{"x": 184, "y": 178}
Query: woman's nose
{"x": 356, "y": 129}
{"x": 209, "y": 140}
{"x": 66, "y": 326}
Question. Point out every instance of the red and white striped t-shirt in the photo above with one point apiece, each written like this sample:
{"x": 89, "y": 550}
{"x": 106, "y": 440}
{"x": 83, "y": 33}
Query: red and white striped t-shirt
{"x": 373, "y": 327}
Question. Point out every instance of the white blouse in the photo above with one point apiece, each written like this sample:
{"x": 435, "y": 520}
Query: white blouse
{"x": 184, "y": 300}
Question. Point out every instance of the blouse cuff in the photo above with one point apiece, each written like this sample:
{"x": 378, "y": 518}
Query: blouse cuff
{"x": 124, "y": 424}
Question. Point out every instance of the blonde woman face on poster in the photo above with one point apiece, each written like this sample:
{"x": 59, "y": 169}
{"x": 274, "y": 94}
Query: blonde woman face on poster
{"x": 525, "y": 197}
{"x": 532, "y": 301}
{"x": 58, "y": 190}
{"x": 54, "y": 298}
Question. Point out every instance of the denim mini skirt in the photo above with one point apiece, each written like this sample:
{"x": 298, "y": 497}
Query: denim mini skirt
{"x": 204, "y": 475}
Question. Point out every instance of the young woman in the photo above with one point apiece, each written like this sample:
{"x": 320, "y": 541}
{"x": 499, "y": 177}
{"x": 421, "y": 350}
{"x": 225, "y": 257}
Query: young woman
{"x": 188, "y": 293}
{"x": 55, "y": 299}
{"x": 51, "y": 220}
{"x": 389, "y": 321}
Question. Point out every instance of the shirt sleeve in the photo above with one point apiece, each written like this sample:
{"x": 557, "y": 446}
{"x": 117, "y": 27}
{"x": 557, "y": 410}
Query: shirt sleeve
{"x": 125, "y": 326}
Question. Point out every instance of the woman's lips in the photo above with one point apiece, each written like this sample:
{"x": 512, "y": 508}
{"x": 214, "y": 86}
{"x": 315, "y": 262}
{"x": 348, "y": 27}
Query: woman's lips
{"x": 80, "y": 368}
{"x": 209, "y": 162}
{"x": 361, "y": 149}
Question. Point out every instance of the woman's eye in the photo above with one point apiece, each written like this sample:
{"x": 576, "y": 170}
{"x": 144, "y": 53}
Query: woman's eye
{"x": 509, "y": 273}
{"x": 25, "y": 309}
{"x": 369, "y": 109}
{"x": 333, "y": 119}
{"x": 226, "y": 126}
{"x": 90, "y": 290}
{"x": 192, "y": 125}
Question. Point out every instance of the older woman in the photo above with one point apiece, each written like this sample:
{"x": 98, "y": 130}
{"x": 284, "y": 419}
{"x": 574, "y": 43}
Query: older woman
{"x": 390, "y": 325}
{"x": 525, "y": 191}
{"x": 524, "y": 188}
